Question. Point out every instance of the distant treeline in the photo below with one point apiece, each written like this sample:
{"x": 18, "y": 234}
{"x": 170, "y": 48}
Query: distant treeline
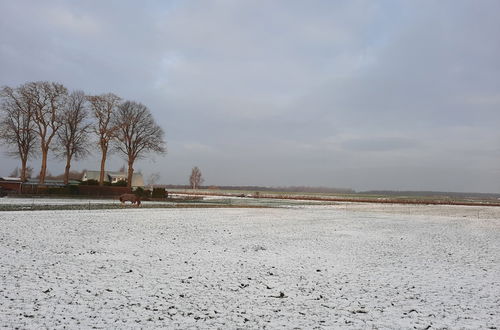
{"x": 326, "y": 190}
{"x": 431, "y": 194}
{"x": 280, "y": 189}
{"x": 320, "y": 190}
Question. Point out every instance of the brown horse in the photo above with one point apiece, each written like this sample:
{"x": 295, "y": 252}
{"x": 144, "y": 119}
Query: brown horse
{"x": 130, "y": 198}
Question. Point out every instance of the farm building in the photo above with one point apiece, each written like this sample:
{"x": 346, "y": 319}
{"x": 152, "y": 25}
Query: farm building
{"x": 114, "y": 177}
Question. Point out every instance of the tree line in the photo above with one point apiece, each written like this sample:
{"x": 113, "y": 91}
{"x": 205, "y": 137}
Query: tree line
{"x": 38, "y": 117}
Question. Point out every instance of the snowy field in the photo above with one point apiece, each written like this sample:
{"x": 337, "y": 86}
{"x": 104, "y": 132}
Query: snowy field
{"x": 225, "y": 200}
{"x": 356, "y": 265}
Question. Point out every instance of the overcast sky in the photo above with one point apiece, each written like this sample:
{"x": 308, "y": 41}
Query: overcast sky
{"x": 401, "y": 95}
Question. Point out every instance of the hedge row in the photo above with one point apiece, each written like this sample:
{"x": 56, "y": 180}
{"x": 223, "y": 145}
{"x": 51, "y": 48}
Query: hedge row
{"x": 74, "y": 190}
{"x": 85, "y": 190}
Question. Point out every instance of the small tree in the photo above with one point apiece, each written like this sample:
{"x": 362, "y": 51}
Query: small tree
{"x": 73, "y": 134}
{"x": 159, "y": 193}
{"x": 17, "y": 128}
{"x": 103, "y": 110}
{"x": 153, "y": 179}
{"x": 196, "y": 179}
{"x": 137, "y": 134}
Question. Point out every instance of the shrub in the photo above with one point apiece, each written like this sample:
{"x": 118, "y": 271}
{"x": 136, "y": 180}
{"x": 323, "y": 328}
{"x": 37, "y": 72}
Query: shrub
{"x": 159, "y": 193}
{"x": 140, "y": 192}
{"x": 121, "y": 183}
{"x": 90, "y": 182}
{"x": 55, "y": 190}
{"x": 73, "y": 190}
{"x": 103, "y": 191}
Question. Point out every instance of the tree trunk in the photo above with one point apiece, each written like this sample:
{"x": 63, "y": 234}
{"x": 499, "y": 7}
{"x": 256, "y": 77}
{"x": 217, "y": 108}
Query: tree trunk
{"x": 43, "y": 168}
{"x": 23, "y": 169}
{"x": 66, "y": 170}
{"x": 103, "y": 165}
{"x": 130, "y": 173}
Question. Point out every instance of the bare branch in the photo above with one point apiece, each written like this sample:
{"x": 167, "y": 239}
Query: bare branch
{"x": 103, "y": 110}
{"x": 196, "y": 178}
{"x": 17, "y": 127}
{"x": 137, "y": 134}
{"x": 48, "y": 99}
{"x": 72, "y": 137}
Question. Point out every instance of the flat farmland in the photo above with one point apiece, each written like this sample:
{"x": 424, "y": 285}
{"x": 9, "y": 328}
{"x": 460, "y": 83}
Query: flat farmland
{"x": 344, "y": 265}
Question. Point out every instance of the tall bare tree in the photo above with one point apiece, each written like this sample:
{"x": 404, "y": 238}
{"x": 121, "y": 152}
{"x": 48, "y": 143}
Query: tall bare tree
{"x": 72, "y": 137}
{"x": 48, "y": 99}
{"x": 196, "y": 178}
{"x": 138, "y": 134}
{"x": 103, "y": 110}
{"x": 17, "y": 128}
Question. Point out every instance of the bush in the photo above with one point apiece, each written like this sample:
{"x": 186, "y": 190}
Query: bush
{"x": 90, "y": 182}
{"x": 121, "y": 183}
{"x": 54, "y": 190}
{"x": 93, "y": 182}
{"x": 103, "y": 191}
{"x": 159, "y": 193}
{"x": 73, "y": 190}
{"x": 140, "y": 192}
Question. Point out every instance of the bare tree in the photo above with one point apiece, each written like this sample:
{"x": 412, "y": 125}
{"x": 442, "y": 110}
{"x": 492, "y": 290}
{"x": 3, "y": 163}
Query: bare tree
{"x": 48, "y": 99}
{"x": 137, "y": 134}
{"x": 153, "y": 179}
{"x": 17, "y": 128}
{"x": 72, "y": 137}
{"x": 196, "y": 178}
{"x": 103, "y": 110}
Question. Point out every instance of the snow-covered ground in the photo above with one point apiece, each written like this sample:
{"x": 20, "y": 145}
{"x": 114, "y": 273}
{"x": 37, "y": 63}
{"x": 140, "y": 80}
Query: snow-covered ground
{"x": 307, "y": 267}
{"x": 38, "y": 201}
{"x": 34, "y": 202}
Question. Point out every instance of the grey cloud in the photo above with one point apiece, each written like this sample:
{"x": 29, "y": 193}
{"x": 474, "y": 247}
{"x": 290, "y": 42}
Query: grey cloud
{"x": 379, "y": 144}
{"x": 361, "y": 94}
